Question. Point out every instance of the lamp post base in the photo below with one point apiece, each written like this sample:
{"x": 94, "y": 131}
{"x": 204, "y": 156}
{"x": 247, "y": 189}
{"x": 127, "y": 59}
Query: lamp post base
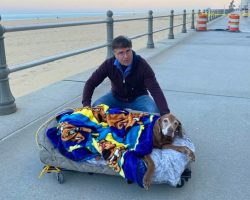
{"x": 7, "y": 109}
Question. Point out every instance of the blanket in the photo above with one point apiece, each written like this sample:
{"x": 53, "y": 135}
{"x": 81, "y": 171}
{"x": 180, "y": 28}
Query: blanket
{"x": 120, "y": 137}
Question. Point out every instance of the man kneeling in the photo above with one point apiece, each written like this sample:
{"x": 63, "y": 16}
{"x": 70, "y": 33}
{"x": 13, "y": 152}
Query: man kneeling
{"x": 131, "y": 79}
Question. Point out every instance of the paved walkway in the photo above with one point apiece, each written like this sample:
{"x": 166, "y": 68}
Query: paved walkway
{"x": 205, "y": 77}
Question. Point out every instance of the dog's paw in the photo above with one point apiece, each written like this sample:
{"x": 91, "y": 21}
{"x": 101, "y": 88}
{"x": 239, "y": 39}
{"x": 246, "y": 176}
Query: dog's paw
{"x": 146, "y": 182}
{"x": 190, "y": 154}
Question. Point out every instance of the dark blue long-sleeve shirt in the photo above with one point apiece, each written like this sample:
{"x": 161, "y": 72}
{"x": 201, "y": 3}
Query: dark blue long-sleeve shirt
{"x": 137, "y": 82}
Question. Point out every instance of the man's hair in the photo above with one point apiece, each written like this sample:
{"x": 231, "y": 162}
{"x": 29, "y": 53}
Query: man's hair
{"x": 121, "y": 42}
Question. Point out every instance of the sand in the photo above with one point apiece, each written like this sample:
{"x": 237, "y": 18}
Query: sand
{"x": 26, "y": 46}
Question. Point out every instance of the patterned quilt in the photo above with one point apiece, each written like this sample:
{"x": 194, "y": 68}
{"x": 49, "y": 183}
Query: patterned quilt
{"x": 120, "y": 137}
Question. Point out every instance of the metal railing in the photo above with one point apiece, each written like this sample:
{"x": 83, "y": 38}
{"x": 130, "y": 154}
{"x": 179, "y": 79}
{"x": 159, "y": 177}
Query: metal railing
{"x": 7, "y": 101}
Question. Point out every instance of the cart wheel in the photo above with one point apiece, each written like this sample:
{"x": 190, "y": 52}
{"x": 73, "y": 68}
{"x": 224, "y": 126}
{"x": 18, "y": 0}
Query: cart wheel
{"x": 186, "y": 174}
{"x": 181, "y": 183}
{"x": 59, "y": 177}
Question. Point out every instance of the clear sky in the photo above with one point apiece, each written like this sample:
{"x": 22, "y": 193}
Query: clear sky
{"x": 97, "y": 5}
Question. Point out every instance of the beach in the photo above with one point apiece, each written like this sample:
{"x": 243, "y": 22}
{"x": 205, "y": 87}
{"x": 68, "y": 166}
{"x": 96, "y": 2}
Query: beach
{"x": 26, "y": 46}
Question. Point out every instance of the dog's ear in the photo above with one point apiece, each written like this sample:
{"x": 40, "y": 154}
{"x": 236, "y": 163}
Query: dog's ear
{"x": 157, "y": 126}
{"x": 179, "y": 130}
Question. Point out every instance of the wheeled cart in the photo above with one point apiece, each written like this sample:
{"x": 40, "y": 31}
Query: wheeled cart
{"x": 171, "y": 167}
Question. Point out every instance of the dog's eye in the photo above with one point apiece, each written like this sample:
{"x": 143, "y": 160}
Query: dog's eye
{"x": 165, "y": 120}
{"x": 176, "y": 123}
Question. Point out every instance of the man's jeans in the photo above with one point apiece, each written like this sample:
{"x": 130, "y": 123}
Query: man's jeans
{"x": 142, "y": 103}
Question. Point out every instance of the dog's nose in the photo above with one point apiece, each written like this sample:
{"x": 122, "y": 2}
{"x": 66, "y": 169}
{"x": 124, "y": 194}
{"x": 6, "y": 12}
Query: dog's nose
{"x": 170, "y": 130}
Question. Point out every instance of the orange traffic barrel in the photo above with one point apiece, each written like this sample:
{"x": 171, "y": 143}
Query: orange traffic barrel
{"x": 234, "y": 22}
{"x": 201, "y": 22}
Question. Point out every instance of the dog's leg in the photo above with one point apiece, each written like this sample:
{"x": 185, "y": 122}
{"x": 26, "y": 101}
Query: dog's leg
{"x": 182, "y": 149}
{"x": 149, "y": 173}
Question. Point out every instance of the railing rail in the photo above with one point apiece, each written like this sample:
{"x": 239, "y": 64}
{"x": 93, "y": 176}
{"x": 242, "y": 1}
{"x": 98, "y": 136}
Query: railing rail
{"x": 47, "y": 26}
{"x": 53, "y": 58}
{"x": 7, "y": 101}
{"x": 130, "y": 19}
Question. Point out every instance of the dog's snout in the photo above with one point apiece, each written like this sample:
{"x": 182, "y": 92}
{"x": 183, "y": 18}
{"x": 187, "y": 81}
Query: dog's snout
{"x": 170, "y": 130}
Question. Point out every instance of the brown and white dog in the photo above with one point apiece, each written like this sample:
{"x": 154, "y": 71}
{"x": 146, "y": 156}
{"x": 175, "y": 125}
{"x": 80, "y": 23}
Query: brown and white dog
{"x": 166, "y": 128}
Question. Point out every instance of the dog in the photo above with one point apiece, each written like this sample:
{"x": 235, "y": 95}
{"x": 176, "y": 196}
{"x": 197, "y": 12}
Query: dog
{"x": 165, "y": 129}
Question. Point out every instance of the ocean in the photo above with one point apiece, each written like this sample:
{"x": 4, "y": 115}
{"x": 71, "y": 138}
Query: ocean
{"x": 23, "y": 16}
{"x": 54, "y": 15}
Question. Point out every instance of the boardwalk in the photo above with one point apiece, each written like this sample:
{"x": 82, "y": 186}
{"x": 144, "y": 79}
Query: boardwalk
{"x": 205, "y": 78}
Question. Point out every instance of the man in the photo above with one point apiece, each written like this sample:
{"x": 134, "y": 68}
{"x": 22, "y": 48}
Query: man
{"x": 131, "y": 78}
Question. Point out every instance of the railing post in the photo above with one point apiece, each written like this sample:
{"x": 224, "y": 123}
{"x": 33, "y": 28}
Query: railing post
{"x": 192, "y": 23}
{"x": 210, "y": 15}
{"x": 110, "y": 33}
{"x": 150, "y": 43}
{"x": 184, "y": 29}
{"x": 171, "y": 30}
{"x": 7, "y": 101}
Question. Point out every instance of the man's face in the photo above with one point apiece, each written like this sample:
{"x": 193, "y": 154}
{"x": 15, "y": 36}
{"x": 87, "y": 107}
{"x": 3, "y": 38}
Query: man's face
{"x": 124, "y": 55}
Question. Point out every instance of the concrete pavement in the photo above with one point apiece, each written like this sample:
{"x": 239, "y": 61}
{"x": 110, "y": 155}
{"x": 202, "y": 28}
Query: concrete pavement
{"x": 205, "y": 77}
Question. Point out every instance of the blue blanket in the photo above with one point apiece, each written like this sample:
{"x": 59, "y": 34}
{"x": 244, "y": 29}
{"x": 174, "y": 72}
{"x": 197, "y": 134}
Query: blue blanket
{"x": 120, "y": 137}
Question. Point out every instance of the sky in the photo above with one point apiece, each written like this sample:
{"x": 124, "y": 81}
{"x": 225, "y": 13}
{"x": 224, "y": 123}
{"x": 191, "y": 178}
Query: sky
{"x": 12, "y": 6}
